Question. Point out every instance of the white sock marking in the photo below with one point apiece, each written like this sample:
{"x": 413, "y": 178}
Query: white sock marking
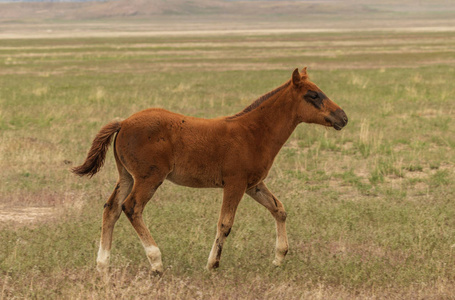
{"x": 103, "y": 256}
{"x": 154, "y": 256}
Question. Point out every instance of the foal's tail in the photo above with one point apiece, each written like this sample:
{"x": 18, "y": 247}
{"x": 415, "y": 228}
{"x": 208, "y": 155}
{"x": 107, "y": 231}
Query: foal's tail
{"x": 97, "y": 153}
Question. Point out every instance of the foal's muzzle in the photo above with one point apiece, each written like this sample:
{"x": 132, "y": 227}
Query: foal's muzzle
{"x": 338, "y": 119}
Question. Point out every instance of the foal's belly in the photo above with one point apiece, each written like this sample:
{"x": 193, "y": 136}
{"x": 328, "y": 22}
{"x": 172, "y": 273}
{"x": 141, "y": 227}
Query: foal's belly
{"x": 195, "y": 180}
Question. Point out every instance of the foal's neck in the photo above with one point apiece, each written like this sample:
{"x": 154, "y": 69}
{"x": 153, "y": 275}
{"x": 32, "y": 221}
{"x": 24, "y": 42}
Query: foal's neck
{"x": 273, "y": 121}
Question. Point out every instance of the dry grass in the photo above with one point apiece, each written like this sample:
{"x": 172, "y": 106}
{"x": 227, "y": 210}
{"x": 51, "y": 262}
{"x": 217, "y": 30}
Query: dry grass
{"x": 122, "y": 284}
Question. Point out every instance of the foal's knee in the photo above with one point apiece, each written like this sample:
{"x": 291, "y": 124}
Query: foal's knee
{"x": 280, "y": 215}
{"x": 129, "y": 209}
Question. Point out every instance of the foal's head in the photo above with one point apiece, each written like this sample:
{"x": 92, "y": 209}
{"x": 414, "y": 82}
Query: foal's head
{"x": 314, "y": 106}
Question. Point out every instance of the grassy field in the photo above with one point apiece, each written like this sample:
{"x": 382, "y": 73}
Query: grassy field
{"x": 371, "y": 209}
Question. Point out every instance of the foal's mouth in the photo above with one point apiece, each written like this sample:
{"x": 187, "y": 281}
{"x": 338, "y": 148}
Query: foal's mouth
{"x": 337, "y": 119}
{"x": 337, "y": 126}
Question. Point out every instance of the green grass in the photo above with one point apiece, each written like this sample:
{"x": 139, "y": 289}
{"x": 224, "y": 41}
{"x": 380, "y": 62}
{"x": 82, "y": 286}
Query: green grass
{"x": 370, "y": 210}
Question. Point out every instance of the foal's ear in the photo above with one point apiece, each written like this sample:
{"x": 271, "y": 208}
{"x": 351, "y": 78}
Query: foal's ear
{"x": 296, "y": 77}
{"x": 304, "y": 73}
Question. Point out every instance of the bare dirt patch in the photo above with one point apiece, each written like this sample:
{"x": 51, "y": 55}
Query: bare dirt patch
{"x": 29, "y": 208}
{"x": 25, "y": 215}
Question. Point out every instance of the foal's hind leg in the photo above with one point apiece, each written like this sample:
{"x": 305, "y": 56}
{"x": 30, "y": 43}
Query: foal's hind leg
{"x": 133, "y": 207}
{"x": 112, "y": 211}
{"x": 261, "y": 194}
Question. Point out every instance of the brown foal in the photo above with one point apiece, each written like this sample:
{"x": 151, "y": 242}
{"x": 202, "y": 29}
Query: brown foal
{"x": 234, "y": 153}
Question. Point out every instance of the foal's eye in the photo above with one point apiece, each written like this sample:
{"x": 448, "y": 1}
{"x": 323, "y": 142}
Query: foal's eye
{"x": 314, "y": 95}
{"x": 314, "y": 98}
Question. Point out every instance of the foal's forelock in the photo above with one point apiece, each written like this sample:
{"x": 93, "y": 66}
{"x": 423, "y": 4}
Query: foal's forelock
{"x": 261, "y": 99}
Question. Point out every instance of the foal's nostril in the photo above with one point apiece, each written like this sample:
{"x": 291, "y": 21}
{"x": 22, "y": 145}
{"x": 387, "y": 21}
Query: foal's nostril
{"x": 344, "y": 117}
{"x": 338, "y": 118}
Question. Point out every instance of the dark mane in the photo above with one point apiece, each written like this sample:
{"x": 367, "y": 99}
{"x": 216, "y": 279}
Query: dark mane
{"x": 261, "y": 99}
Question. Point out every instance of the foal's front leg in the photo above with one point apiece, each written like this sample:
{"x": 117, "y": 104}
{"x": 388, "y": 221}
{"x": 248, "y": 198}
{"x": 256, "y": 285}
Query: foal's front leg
{"x": 261, "y": 194}
{"x": 231, "y": 198}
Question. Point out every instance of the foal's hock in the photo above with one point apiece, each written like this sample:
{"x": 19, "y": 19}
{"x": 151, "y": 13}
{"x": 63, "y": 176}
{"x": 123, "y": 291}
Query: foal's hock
{"x": 234, "y": 153}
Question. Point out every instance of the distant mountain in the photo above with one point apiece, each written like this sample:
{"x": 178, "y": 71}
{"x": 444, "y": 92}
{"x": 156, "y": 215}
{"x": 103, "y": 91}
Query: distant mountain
{"x": 53, "y": 1}
{"x": 80, "y": 9}
{"x": 11, "y": 10}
